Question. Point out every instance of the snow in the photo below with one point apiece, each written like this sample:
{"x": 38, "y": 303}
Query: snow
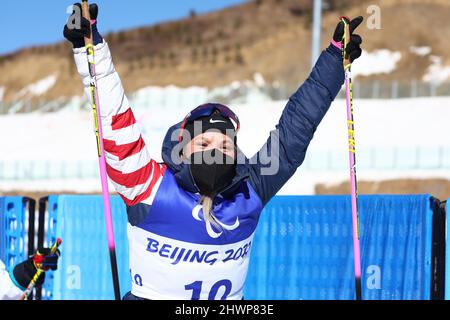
{"x": 436, "y": 72}
{"x": 242, "y": 92}
{"x": 170, "y": 96}
{"x": 420, "y": 51}
{"x": 391, "y": 136}
{"x": 38, "y": 88}
{"x": 376, "y": 62}
{"x": 259, "y": 79}
{"x": 248, "y": 91}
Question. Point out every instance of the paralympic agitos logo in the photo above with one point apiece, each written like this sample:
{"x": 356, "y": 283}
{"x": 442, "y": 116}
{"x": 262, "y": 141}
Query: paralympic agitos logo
{"x": 209, "y": 229}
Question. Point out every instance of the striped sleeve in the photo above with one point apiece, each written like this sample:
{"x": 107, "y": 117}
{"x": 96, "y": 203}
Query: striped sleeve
{"x": 130, "y": 168}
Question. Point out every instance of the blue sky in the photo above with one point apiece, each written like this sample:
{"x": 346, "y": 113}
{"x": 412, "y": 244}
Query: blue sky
{"x": 41, "y": 22}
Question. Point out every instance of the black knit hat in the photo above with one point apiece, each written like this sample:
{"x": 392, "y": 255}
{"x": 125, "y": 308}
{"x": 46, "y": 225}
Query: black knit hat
{"x": 215, "y": 122}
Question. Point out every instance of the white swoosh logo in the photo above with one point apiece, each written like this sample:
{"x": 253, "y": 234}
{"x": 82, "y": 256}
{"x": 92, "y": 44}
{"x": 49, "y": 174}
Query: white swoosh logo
{"x": 215, "y": 121}
{"x": 211, "y": 232}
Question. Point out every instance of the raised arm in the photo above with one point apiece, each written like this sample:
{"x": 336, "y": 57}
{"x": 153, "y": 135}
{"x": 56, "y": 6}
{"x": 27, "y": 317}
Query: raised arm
{"x": 129, "y": 165}
{"x": 286, "y": 147}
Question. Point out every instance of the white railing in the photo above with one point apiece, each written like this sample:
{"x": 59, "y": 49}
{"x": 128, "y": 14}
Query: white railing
{"x": 381, "y": 159}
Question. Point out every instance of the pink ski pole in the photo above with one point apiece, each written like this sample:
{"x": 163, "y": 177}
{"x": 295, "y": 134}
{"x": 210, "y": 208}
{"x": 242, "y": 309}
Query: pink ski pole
{"x": 352, "y": 159}
{"x": 101, "y": 153}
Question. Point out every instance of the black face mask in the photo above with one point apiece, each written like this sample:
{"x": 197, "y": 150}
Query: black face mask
{"x": 212, "y": 171}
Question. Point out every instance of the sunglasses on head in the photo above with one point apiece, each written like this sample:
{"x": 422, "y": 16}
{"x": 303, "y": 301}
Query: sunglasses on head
{"x": 206, "y": 110}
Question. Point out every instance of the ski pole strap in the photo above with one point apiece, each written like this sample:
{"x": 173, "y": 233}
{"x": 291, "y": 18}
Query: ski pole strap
{"x": 337, "y": 44}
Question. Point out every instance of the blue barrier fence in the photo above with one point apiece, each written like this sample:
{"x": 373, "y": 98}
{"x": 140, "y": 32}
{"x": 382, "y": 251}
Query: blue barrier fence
{"x": 84, "y": 271}
{"x": 12, "y": 230}
{"x": 302, "y": 248}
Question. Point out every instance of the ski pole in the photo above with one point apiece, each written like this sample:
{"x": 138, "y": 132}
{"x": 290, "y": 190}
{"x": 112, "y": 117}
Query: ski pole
{"x": 352, "y": 158}
{"x": 38, "y": 273}
{"x": 101, "y": 153}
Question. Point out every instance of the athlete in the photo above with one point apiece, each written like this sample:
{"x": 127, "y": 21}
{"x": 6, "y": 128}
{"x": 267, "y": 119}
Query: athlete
{"x": 191, "y": 219}
{"x": 13, "y": 284}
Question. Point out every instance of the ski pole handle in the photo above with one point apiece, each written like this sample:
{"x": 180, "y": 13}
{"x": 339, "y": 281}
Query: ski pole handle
{"x": 86, "y": 15}
{"x": 91, "y": 64}
{"x": 346, "y": 40}
{"x": 38, "y": 273}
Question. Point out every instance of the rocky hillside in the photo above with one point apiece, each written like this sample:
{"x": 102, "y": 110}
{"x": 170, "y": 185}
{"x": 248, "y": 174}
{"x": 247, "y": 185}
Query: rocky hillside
{"x": 271, "y": 37}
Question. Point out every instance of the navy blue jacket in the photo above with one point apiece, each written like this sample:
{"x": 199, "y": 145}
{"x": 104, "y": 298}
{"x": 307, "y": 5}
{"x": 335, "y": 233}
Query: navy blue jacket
{"x": 295, "y": 130}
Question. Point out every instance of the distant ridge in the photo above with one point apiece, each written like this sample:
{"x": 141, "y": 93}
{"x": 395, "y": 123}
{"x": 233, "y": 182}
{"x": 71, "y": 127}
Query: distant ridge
{"x": 271, "y": 37}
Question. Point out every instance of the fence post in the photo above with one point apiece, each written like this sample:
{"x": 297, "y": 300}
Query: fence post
{"x": 394, "y": 89}
{"x": 433, "y": 89}
{"x": 376, "y": 89}
{"x": 413, "y": 88}
{"x": 43, "y": 202}
{"x": 438, "y": 250}
{"x": 283, "y": 91}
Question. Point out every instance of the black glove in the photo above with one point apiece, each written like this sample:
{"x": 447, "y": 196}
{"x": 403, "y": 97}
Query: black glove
{"x": 76, "y": 36}
{"x": 25, "y": 271}
{"x": 353, "y": 50}
{"x": 46, "y": 261}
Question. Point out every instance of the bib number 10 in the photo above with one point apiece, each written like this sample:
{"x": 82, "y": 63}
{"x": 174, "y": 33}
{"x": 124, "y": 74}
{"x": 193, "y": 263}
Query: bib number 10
{"x": 196, "y": 288}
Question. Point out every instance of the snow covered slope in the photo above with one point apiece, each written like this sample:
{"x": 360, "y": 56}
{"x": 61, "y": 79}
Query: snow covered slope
{"x": 395, "y": 138}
